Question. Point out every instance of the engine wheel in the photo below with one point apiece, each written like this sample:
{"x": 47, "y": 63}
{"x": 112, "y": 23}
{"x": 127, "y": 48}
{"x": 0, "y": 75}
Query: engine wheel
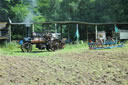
{"x": 47, "y": 47}
{"x": 26, "y": 47}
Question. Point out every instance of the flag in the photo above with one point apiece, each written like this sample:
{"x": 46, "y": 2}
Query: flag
{"x": 77, "y": 33}
{"x": 116, "y": 29}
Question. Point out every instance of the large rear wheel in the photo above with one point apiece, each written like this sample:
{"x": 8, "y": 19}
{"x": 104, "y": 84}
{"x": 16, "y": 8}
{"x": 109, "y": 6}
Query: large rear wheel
{"x": 50, "y": 48}
{"x": 26, "y": 47}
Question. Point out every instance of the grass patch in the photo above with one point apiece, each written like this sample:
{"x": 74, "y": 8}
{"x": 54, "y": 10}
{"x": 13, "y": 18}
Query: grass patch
{"x": 13, "y": 49}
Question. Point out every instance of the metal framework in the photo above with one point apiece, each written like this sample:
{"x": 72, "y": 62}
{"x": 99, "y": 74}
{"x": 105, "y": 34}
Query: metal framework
{"x": 70, "y": 22}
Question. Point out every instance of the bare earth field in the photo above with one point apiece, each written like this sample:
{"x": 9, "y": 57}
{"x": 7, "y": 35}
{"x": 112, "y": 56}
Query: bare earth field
{"x": 86, "y": 67}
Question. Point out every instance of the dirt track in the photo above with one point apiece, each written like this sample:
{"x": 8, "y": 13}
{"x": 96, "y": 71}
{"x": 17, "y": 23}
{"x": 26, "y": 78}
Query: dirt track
{"x": 85, "y": 68}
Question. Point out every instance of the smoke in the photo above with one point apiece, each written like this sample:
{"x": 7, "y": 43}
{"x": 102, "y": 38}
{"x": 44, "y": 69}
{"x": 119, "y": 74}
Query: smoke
{"x": 34, "y": 3}
{"x": 29, "y": 18}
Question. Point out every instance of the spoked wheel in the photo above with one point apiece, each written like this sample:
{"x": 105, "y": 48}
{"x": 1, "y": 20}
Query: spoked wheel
{"x": 50, "y": 48}
{"x": 26, "y": 47}
{"x": 47, "y": 47}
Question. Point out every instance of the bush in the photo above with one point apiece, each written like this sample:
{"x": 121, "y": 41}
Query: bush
{"x": 126, "y": 42}
{"x": 78, "y": 45}
{"x": 11, "y": 45}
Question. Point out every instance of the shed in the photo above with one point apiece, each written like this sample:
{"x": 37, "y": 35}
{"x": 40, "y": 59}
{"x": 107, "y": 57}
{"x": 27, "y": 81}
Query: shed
{"x": 4, "y": 31}
{"x": 87, "y": 34}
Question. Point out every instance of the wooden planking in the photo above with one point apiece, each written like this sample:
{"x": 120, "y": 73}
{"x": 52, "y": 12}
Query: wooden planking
{"x": 3, "y": 25}
{"x": 3, "y": 38}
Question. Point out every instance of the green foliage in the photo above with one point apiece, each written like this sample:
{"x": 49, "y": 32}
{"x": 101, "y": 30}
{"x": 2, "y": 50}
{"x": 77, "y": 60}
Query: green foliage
{"x": 65, "y": 10}
{"x": 92, "y": 0}
{"x": 17, "y": 37}
{"x": 43, "y": 3}
{"x": 8, "y": 1}
{"x": 14, "y": 49}
{"x": 39, "y": 19}
{"x": 126, "y": 42}
{"x": 20, "y": 12}
{"x": 76, "y": 46}
{"x": 11, "y": 46}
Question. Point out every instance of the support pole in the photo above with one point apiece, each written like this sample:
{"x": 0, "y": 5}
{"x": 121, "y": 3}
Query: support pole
{"x": 33, "y": 28}
{"x": 87, "y": 32}
{"x": 55, "y": 28}
{"x": 61, "y": 31}
{"x": 27, "y": 31}
{"x": 115, "y": 33}
{"x": 48, "y": 28}
{"x": 10, "y": 33}
{"x": 68, "y": 35}
{"x": 96, "y": 32}
{"x": 43, "y": 28}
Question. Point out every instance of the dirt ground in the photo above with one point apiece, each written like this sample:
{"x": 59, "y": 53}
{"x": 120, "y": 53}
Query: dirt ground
{"x": 89, "y": 67}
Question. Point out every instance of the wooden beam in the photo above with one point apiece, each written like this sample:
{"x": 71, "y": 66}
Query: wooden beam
{"x": 87, "y": 32}
{"x": 61, "y": 27}
{"x": 80, "y": 22}
{"x": 73, "y": 22}
{"x": 21, "y": 23}
{"x": 9, "y": 32}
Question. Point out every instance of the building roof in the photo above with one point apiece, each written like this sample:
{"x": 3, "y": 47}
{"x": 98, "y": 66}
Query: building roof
{"x": 73, "y": 22}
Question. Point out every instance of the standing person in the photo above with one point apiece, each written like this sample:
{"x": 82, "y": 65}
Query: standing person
{"x": 100, "y": 40}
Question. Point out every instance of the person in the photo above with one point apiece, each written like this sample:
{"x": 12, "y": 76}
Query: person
{"x": 100, "y": 41}
{"x": 91, "y": 44}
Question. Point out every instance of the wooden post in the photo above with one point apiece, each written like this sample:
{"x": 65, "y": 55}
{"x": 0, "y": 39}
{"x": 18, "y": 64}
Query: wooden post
{"x": 33, "y": 28}
{"x": 68, "y": 35}
{"x": 48, "y": 28}
{"x": 87, "y": 32}
{"x": 27, "y": 28}
{"x": 61, "y": 32}
{"x": 55, "y": 28}
{"x": 96, "y": 32}
{"x": 9, "y": 33}
{"x": 43, "y": 27}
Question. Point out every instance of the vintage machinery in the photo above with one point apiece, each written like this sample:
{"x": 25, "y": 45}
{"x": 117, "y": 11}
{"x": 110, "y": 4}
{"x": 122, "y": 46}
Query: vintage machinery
{"x": 105, "y": 43}
{"x": 42, "y": 41}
